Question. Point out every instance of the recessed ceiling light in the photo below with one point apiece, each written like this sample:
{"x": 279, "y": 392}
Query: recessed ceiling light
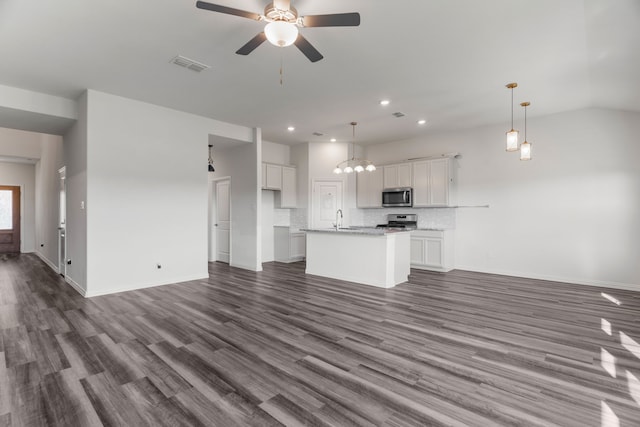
{"x": 422, "y": 121}
{"x": 384, "y": 102}
{"x": 333, "y": 140}
{"x": 291, "y": 128}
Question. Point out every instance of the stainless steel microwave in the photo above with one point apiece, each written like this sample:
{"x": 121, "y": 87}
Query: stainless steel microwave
{"x": 397, "y": 197}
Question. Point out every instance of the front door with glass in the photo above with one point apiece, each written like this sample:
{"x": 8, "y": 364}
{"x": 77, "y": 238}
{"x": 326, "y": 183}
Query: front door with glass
{"x": 9, "y": 219}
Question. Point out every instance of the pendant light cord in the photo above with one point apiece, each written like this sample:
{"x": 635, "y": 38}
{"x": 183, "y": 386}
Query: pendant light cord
{"x": 525, "y": 123}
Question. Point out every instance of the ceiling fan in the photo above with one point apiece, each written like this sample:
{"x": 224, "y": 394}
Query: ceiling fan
{"x": 282, "y": 26}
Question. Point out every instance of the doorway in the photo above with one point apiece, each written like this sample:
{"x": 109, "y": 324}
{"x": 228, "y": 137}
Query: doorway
{"x": 327, "y": 199}
{"x": 62, "y": 222}
{"x": 9, "y": 219}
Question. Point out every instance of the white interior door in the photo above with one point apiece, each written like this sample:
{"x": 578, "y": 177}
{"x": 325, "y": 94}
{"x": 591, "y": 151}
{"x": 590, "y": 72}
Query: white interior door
{"x": 327, "y": 199}
{"x": 223, "y": 221}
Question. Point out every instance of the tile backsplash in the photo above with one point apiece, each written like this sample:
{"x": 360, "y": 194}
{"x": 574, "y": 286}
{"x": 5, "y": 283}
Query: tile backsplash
{"x": 440, "y": 218}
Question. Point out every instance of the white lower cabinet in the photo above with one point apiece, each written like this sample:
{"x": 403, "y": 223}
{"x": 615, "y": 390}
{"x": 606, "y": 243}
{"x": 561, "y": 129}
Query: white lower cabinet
{"x": 432, "y": 250}
{"x": 289, "y": 246}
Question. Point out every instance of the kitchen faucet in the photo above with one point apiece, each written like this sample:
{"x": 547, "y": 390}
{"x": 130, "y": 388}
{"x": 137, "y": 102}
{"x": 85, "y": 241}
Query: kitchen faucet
{"x": 338, "y": 219}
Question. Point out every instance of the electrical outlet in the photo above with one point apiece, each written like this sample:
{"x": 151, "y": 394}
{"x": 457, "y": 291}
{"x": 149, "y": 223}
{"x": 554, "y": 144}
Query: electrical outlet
{"x": 42, "y": 245}
{"x": 68, "y": 262}
{"x": 158, "y": 266}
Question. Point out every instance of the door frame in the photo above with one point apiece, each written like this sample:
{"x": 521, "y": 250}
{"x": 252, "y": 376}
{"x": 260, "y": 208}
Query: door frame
{"x": 314, "y": 181}
{"x": 212, "y": 256}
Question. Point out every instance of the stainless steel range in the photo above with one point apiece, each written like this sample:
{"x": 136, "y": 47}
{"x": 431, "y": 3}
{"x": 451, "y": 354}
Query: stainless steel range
{"x": 400, "y": 221}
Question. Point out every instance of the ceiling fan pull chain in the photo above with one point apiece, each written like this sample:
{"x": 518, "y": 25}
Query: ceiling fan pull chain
{"x": 281, "y": 67}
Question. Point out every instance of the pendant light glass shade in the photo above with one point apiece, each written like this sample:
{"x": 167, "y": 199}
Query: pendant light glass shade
{"x": 353, "y": 164}
{"x": 512, "y": 135}
{"x": 525, "y": 147}
{"x": 512, "y": 140}
{"x": 525, "y": 151}
{"x": 281, "y": 33}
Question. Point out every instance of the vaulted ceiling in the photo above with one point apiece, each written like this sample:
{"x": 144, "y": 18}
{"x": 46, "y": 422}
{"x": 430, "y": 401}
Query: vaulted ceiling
{"x": 445, "y": 61}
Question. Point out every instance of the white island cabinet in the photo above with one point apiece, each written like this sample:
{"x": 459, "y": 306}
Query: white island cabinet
{"x": 369, "y": 256}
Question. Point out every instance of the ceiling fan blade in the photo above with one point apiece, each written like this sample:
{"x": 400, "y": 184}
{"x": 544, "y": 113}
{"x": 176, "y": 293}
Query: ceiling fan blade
{"x": 252, "y": 44}
{"x": 333, "y": 20}
{"x": 282, "y": 4}
{"x": 228, "y": 10}
{"x": 308, "y": 49}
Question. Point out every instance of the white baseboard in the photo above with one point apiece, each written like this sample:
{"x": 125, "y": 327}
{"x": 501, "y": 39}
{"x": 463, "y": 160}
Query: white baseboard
{"x": 247, "y": 267}
{"x": 48, "y": 262}
{"x": 147, "y": 285}
{"x": 551, "y": 278}
{"x": 76, "y": 286}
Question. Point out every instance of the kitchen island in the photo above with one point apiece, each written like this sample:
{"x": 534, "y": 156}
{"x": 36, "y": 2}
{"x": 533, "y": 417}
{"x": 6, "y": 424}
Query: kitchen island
{"x": 376, "y": 257}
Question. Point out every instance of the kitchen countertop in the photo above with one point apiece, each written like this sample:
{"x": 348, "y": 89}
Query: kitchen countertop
{"x": 356, "y": 230}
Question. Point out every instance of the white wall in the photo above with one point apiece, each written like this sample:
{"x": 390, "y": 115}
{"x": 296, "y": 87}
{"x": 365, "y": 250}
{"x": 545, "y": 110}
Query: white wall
{"x": 40, "y": 211}
{"x": 146, "y": 193}
{"x": 242, "y": 164}
{"x": 47, "y": 198}
{"x": 571, "y": 214}
{"x": 279, "y": 154}
{"x": 23, "y": 176}
{"x": 323, "y": 158}
{"x": 75, "y": 160}
{"x": 19, "y": 143}
{"x": 267, "y": 225}
{"x": 275, "y": 153}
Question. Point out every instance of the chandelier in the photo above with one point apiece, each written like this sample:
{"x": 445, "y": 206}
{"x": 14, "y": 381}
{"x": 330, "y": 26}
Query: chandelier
{"x": 353, "y": 164}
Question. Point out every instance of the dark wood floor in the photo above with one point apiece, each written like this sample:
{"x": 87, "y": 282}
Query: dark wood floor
{"x": 279, "y": 347}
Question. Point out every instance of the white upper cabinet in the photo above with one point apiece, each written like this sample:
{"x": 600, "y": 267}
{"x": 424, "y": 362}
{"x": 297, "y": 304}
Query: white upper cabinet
{"x": 397, "y": 176}
{"x": 369, "y": 189}
{"x": 271, "y": 176}
{"x": 288, "y": 192}
{"x": 282, "y": 179}
{"x": 432, "y": 182}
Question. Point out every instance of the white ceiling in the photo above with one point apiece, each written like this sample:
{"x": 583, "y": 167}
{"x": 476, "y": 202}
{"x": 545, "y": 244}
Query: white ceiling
{"x": 443, "y": 60}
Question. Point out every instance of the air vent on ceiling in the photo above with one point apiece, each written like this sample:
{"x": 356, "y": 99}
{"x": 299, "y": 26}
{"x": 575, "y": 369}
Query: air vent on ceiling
{"x": 189, "y": 63}
{"x": 317, "y": 134}
{"x": 398, "y": 114}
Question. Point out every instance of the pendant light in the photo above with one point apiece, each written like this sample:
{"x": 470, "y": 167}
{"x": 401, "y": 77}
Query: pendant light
{"x": 211, "y": 169}
{"x": 512, "y": 135}
{"x": 353, "y": 164}
{"x": 525, "y": 147}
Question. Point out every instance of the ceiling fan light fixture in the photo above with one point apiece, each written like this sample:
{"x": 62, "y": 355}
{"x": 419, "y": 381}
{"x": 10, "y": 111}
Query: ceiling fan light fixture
{"x": 281, "y": 33}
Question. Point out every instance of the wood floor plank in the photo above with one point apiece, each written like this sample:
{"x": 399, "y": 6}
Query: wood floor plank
{"x": 278, "y": 347}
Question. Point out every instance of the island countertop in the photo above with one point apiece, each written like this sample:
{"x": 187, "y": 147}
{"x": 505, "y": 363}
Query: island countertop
{"x": 366, "y": 231}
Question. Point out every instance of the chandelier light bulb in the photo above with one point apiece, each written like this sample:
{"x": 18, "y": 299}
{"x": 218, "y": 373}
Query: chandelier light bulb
{"x": 370, "y": 168}
{"x": 358, "y": 168}
{"x": 348, "y": 169}
{"x": 337, "y": 171}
